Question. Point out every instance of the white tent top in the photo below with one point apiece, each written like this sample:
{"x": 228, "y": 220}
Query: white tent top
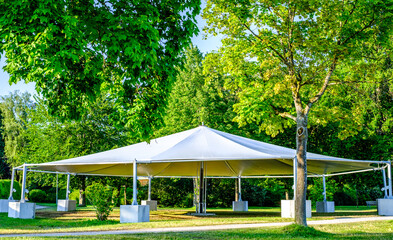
{"x": 181, "y": 154}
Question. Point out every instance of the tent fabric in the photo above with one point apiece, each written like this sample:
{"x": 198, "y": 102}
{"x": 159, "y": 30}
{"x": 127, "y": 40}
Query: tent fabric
{"x": 181, "y": 154}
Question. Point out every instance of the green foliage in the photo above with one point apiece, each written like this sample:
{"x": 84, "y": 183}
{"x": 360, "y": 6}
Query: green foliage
{"x": 174, "y": 192}
{"x": 102, "y": 198}
{"x": 5, "y": 186}
{"x": 315, "y": 189}
{"x": 74, "y": 195}
{"x": 14, "y": 110}
{"x": 74, "y": 52}
{"x": 38, "y": 195}
{"x": 281, "y": 56}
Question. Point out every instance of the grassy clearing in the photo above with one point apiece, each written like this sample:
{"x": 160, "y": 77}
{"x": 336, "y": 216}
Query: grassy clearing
{"x": 371, "y": 230}
{"x": 48, "y": 220}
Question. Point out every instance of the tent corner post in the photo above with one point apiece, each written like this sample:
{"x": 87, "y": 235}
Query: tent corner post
{"x": 68, "y": 186}
{"x": 149, "y": 192}
{"x": 390, "y": 179}
{"x": 23, "y": 192}
{"x": 134, "y": 181}
{"x": 324, "y": 188}
{"x": 240, "y": 188}
{"x": 12, "y": 184}
{"x": 385, "y": 187}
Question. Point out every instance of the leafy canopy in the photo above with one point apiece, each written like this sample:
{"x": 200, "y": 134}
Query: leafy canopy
{"x": 74, "y": 50}
{"x": 283, "y": 54}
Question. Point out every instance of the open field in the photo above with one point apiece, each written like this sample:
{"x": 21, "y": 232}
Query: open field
{"x": 48, "y": 220}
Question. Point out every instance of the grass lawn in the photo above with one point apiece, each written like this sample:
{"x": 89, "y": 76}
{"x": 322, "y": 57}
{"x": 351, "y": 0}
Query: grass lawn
{"x": 48, "y": 220}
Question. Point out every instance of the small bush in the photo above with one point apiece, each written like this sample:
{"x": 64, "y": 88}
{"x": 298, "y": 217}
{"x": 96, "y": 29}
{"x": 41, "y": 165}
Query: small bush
{"x": 102, "y": 198}
{"x": 38, "y": 195}
{"x": 5, "y": 185}
{"x": 74, "y": 195}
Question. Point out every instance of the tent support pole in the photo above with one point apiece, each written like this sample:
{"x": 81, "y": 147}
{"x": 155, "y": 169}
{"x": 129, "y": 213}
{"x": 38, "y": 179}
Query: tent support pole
{"x": 12, "y": 184}
{"x": 22, "y": 197}
{"x": 384, "y": 183}
{"x": 390, "y": 179}
{"x": 324, "y": 188}
{"x": 240, "y": 189}
{"x": 294, "y": 177}
{"x": 149, "y": 192}
{"x": 68, "y": 186}
{"x": 134, "y": 181}
{"x": 201, "y": 190}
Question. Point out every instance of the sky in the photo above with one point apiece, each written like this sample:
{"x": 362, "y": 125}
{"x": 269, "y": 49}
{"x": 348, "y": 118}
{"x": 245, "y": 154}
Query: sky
{"x": 208, "y": 45}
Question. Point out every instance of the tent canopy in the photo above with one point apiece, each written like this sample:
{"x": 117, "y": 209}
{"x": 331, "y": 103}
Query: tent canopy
{"x": 181, "y": 154}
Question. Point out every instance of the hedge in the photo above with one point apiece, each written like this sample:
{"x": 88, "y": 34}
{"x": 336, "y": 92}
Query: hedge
{"x": 5, "y": 185}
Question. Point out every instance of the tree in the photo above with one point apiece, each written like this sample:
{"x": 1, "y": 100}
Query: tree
{"x": 75, "y": 50}
{"x": 283, "y": 55}
{"x": 4, "y": 168}
{"x": 14, "y": 110}
{"x": 197, "y": 98}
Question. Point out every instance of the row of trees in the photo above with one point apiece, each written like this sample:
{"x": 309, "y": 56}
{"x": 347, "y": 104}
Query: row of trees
{"x": 291, "y": 69}
{"x": 32, "y": 135}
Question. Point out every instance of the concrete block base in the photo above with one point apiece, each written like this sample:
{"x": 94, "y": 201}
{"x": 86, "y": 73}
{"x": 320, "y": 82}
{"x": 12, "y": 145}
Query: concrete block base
{"x": 151, "y": 203}
{"x": 385, "y": 206}
{"x": 288, "y": 208}
{"x": 240, "y": 206}
{"x": 325, "y": 207}
{"x": 4, "y": 205}
{"x": 66, "y": 205}
{"x": 134, "y": 213}
{"x": 24, "y": 210}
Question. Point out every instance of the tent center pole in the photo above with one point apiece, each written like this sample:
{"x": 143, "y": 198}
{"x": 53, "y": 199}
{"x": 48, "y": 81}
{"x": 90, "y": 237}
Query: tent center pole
{"x": 68, "y": 186}
{"x": 240, "y": 188}
{"x": 149, "y": 192}
{"x": 201, "y": 189}
{"x": 384, "y": 183}
{"x": 12, "y": 184}
{"x": 324, "y": 188}
{"x": 22, "y": 197}
{"x": 134, "y": 181}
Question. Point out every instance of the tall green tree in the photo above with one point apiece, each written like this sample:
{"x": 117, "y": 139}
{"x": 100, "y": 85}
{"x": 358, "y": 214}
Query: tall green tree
{"x": 14, "y": 110}
{"x": 198, "y": 98}
{"x": 4, "y": 168}
{"x": 75, "y": 50}
{"x": 283, "y": 55}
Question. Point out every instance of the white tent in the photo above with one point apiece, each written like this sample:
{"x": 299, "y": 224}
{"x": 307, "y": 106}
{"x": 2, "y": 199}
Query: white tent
{"x": 203, "y": 152}
{"x": 223, "y": 154}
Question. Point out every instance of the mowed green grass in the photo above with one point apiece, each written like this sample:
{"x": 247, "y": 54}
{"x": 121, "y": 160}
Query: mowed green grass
{"x": 83, "y": 220}
{"x": 365, "y": 230}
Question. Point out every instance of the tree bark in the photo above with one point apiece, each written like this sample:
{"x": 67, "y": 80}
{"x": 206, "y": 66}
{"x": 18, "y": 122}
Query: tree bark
{"x": 82, "y": 190}
{"x": 301, "y": 155}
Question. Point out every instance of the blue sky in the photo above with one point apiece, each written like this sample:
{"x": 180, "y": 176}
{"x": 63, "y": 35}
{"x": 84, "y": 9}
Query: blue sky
{"x": 208, "y": 45}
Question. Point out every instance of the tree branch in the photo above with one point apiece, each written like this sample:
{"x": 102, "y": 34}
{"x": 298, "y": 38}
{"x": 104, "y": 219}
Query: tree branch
{"x": 270, "y": 47}
{"x": 283, "y": 114}
{"x": 323, "y": 88}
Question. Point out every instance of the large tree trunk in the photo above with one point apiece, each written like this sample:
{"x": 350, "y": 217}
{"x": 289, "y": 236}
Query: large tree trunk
{"x": 301, "y": 185}
{"x": 82, "y": 190}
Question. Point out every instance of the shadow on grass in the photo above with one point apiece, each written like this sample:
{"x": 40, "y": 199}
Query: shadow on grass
{"x": 289, "y": 232}
{"x": 40, "y": 223}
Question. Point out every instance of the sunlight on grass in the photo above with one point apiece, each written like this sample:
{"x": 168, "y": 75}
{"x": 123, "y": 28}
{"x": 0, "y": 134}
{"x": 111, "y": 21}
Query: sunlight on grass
{"x": 49, "y": 220}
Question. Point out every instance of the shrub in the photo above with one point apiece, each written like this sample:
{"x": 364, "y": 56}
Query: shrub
{"x": 38, "y": 195}
{"x": 101, "y": 197}
{"x": 74, "y": 195}
{"x": 5, "y": 185}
